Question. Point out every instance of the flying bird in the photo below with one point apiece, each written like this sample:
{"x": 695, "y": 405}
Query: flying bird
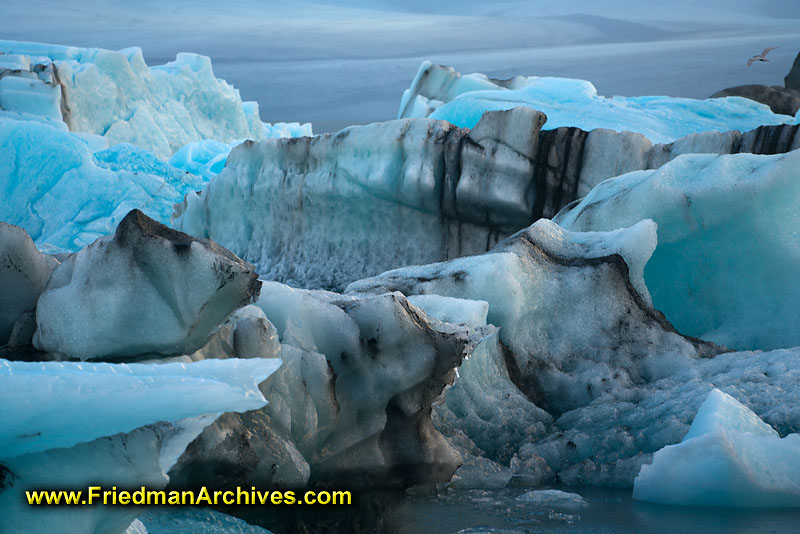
{"x": 761, "y": 57}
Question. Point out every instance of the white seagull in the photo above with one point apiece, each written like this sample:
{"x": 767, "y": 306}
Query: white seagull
{"x": 761, "y": 57}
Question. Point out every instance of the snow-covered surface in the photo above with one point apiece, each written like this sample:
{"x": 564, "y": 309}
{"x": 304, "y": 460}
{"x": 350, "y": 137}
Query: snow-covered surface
{"x": 727, "y": 255}
{"x": 47, "y": 405}
{"x": 569, "y": 102}
{"x": 729, "y": 457}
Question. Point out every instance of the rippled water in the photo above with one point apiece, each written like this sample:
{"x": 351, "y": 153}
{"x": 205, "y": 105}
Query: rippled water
{"x": 608, "y": 511}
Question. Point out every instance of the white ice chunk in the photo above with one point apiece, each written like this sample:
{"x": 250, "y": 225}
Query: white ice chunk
{"x": 720, "y": 410}
{"x": 730, "y": 457}
{"x": 147, "y": 289}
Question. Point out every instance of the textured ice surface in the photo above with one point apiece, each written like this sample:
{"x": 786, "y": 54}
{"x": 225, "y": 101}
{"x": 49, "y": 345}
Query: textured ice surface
{"x": 583, "y": 382}
{"x": 351, "y": 402}
{"x": 47, "y": 405}
{"x": 24, "y": 272}
{"x": 326, "y": 211}
{"x": 308, "y": 211}
{"x": 190, "y": 521}
{"x": 66, "y": 189}
{"x": 727, "y": 256}
{"x": 729, "y": 457}
{"x": 593, "y": 279}
{"x": 147, "y": 289}
{"x": 115, "y": 94}
{"x": 202, "y": 158}
{"x": 72, "y": 425}
{"x": 54, "y": 187}
{"x": 462, "y": 100}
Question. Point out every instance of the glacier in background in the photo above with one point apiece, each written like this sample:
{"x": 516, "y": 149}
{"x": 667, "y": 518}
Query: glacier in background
{"x": 440, "y": 92}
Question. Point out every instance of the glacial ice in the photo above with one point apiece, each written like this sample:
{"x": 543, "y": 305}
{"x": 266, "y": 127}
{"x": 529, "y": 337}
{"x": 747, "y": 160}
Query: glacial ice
{"x": 352, "y": 400}
{"x": 147, "y": 289}
{"x": 50, "y": 405}
{"x": 327, "y": 211}
{"x": 307, "y": 211}
{"x": 62, "y": 194}
{"x": 727, "y": 256}
{"x": 72, "y": 425}
{"x": 115, "y": 94}
{"x": 545, "y": 271}
{"x": 86, "y": 132}
{"x": 202, "y": 158}
{"x": 24, "y": 272}
{"x": 729, "y": 457}
{"x": 583, "y": 383}
{"x": 441, "y": 93}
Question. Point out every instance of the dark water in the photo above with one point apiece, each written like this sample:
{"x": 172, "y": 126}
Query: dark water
{"x": 608, "y": 511}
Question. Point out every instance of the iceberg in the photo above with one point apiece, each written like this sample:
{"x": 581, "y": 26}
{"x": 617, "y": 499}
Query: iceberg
{"x": 75, "y": 425}
{"x": 441, "y": 93}
{"x": 585, "y": 380}
{"x": 65, "y": 195}
{"x": 148, "y": 289}
{"x": 543, "y": 281}
{"x": 86, "y": 132}
{"x": 116, "y": 95}
{"x": 56, "y": 405}
{"x": 24, "y": 273}
{"x": 727, "y": 255}
{"x": 323, "y": 212}
{"x": 351, "y": 403}
{"x": 729, "y": 457}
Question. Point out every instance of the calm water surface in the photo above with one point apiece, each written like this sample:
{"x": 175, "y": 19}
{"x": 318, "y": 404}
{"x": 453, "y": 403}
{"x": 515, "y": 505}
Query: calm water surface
{"x": 608, "y": 511}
